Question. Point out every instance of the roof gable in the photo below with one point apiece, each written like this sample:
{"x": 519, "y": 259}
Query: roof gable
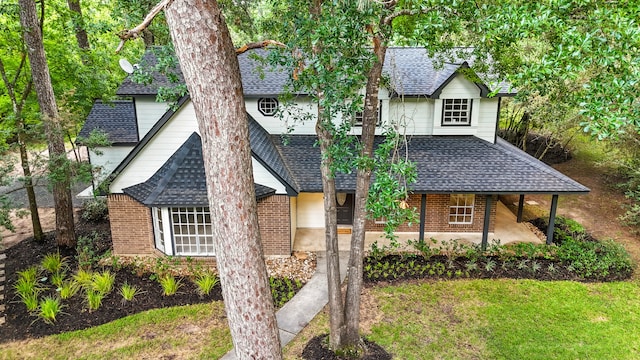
{"x": 181, "y": 180}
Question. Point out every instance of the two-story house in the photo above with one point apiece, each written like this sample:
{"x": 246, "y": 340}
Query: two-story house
{"x": 155, "y": 174}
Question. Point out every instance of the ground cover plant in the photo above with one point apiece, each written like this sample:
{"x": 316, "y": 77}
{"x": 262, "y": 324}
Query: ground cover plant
{"x": 575, "y": 255}
{"x": 51, "y": 292}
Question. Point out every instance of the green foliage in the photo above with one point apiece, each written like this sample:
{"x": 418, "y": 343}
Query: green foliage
{"x": 27, "y": 287}
{"x": 424, "y": 246}
{"x": 596, "y": 259}
{"x": 49, "y": 309}
{"x": 68, "y": 289}
{"x": 206, "y": 281}
{"x": 95, "y": 210}
{"x": 54, "y": 263}
{"x": 169, "y": 285}
{"x": 283, "y": 289}
{"x": 84, "y": 278}
{"x": 128, "y": 292}
{"x": 86, "y": 252}
{"x": 103, "y": 282}
{"x": 94, "y": 300}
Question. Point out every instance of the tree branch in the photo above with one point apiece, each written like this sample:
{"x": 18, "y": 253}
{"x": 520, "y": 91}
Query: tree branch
{"x": 125, "y": 35}
{"x": 406, "y": 12}
{"x": 258, "y": 45}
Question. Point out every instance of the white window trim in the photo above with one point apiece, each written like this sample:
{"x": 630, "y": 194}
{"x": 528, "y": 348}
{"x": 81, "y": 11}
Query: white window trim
{"x": 459, "y": 207}
{"x": 169, "y": 234}
{"x": 469, "y": 111}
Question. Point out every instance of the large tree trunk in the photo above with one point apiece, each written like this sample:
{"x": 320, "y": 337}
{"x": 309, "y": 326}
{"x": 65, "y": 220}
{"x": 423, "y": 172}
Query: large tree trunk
{"x": 208, "y": 60}
{"x": 336, "y": 313}
{"x": 59, "y": 171}
{"x": 363, "y": 180}
{"x": 78, "y": 24}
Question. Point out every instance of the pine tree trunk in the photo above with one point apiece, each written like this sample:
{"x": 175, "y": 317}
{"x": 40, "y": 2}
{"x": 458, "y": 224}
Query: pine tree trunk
{"x": 363, "y": 180}
{"x": 210, "y": 66}
{"x": 59, "y": 172}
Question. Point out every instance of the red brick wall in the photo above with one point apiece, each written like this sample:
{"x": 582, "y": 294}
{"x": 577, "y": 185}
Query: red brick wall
{"x": 274, "y": 218}
{"x": 437, "y": 217}
{"x": 131, "y": 226}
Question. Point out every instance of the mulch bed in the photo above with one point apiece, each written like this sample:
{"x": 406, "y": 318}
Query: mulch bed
{"x": 75, "y": 316}
{"x": 317, "y": 349}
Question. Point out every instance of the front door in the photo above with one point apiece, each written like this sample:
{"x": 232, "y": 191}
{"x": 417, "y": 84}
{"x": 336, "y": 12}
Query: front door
{"x": 345, "y": 204}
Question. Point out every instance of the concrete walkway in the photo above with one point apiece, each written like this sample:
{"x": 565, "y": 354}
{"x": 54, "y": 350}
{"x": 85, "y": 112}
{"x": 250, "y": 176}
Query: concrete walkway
{"x": 308, "y": 302}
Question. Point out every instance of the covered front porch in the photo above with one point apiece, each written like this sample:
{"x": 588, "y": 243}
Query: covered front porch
{"x": 507, "y": 230}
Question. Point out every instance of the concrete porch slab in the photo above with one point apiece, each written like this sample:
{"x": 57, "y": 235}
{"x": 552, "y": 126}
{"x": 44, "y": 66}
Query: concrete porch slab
{"x": 507, "y": 230}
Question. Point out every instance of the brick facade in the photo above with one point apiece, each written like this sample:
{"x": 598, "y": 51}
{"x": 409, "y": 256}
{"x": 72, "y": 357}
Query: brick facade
{"x": 274, "y": 218}
{"x": 437, "y": 216}
{"x": 132, "y": 226}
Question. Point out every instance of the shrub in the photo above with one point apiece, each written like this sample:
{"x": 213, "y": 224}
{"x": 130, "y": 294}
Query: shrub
{"x": 596, "y": 259}
{"x": 87, "y": 254}
{"x": 103, "y": 282}
{"x": 68, "y": 289}
{"x": 169, "y": 285}
{"x": 29, "y": 274}
{"x": 128, "y": 292}
{"x": 84, "y": 279}
{"x": 95, "y": 210}
{"x": 206, "y": 281}
{"x": 283, "y": 289}
{"x": 57, "y": 278}
{"x": 49, "y": 309}
{"x": 94, "y": 300}
{"x": 424, "y": 247}
{"x": 54, "y": 263}
{"x": 30, "y": 300}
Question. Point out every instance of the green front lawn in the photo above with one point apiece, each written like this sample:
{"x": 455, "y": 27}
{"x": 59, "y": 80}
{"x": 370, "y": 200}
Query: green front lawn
{"x": 509, "y": 319}
{"x": 498, "y": 319}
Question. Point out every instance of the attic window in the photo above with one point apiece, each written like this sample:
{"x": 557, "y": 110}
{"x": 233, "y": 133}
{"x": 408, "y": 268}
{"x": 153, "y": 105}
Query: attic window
{"x": 268, "y": 106}
{"x": 456, "y": 112}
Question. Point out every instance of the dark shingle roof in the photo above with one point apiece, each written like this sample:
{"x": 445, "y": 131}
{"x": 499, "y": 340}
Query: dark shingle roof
{"x": 148, "y": 62}
{"x": 264, "y": 150}
{"x": 411, "y": 73}
{"x": 181, "y": 180}
{"x": 116, "y": 119}
{"x": 445, "y": 164}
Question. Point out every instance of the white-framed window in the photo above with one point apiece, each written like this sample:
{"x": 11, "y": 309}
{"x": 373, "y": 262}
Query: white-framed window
{"x": 456, "y": 112}
{"x": 461, "y": 208}
{"x": 184, "y": 231}
{"x": 268, "y": 106}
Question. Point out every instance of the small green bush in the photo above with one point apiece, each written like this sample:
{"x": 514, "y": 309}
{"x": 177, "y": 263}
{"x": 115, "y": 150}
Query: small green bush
{"x": 49, "y": 309}
{"x": 54, "y": 263}
{"x": 84, "y": 278}
{"x": 128, "y": 292}
{"x": 595, "y": 259}
{"x": 206, "y": 281}
{"x": 87, "y": 254}
{"x": 103, "y": 282}
{"x": 68, "y": 289}
{"x": 169, "y": 285}
{"x": 94, "y": 300}
{"x": 283, "y": 289}
{"x": 95, "y": 210}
